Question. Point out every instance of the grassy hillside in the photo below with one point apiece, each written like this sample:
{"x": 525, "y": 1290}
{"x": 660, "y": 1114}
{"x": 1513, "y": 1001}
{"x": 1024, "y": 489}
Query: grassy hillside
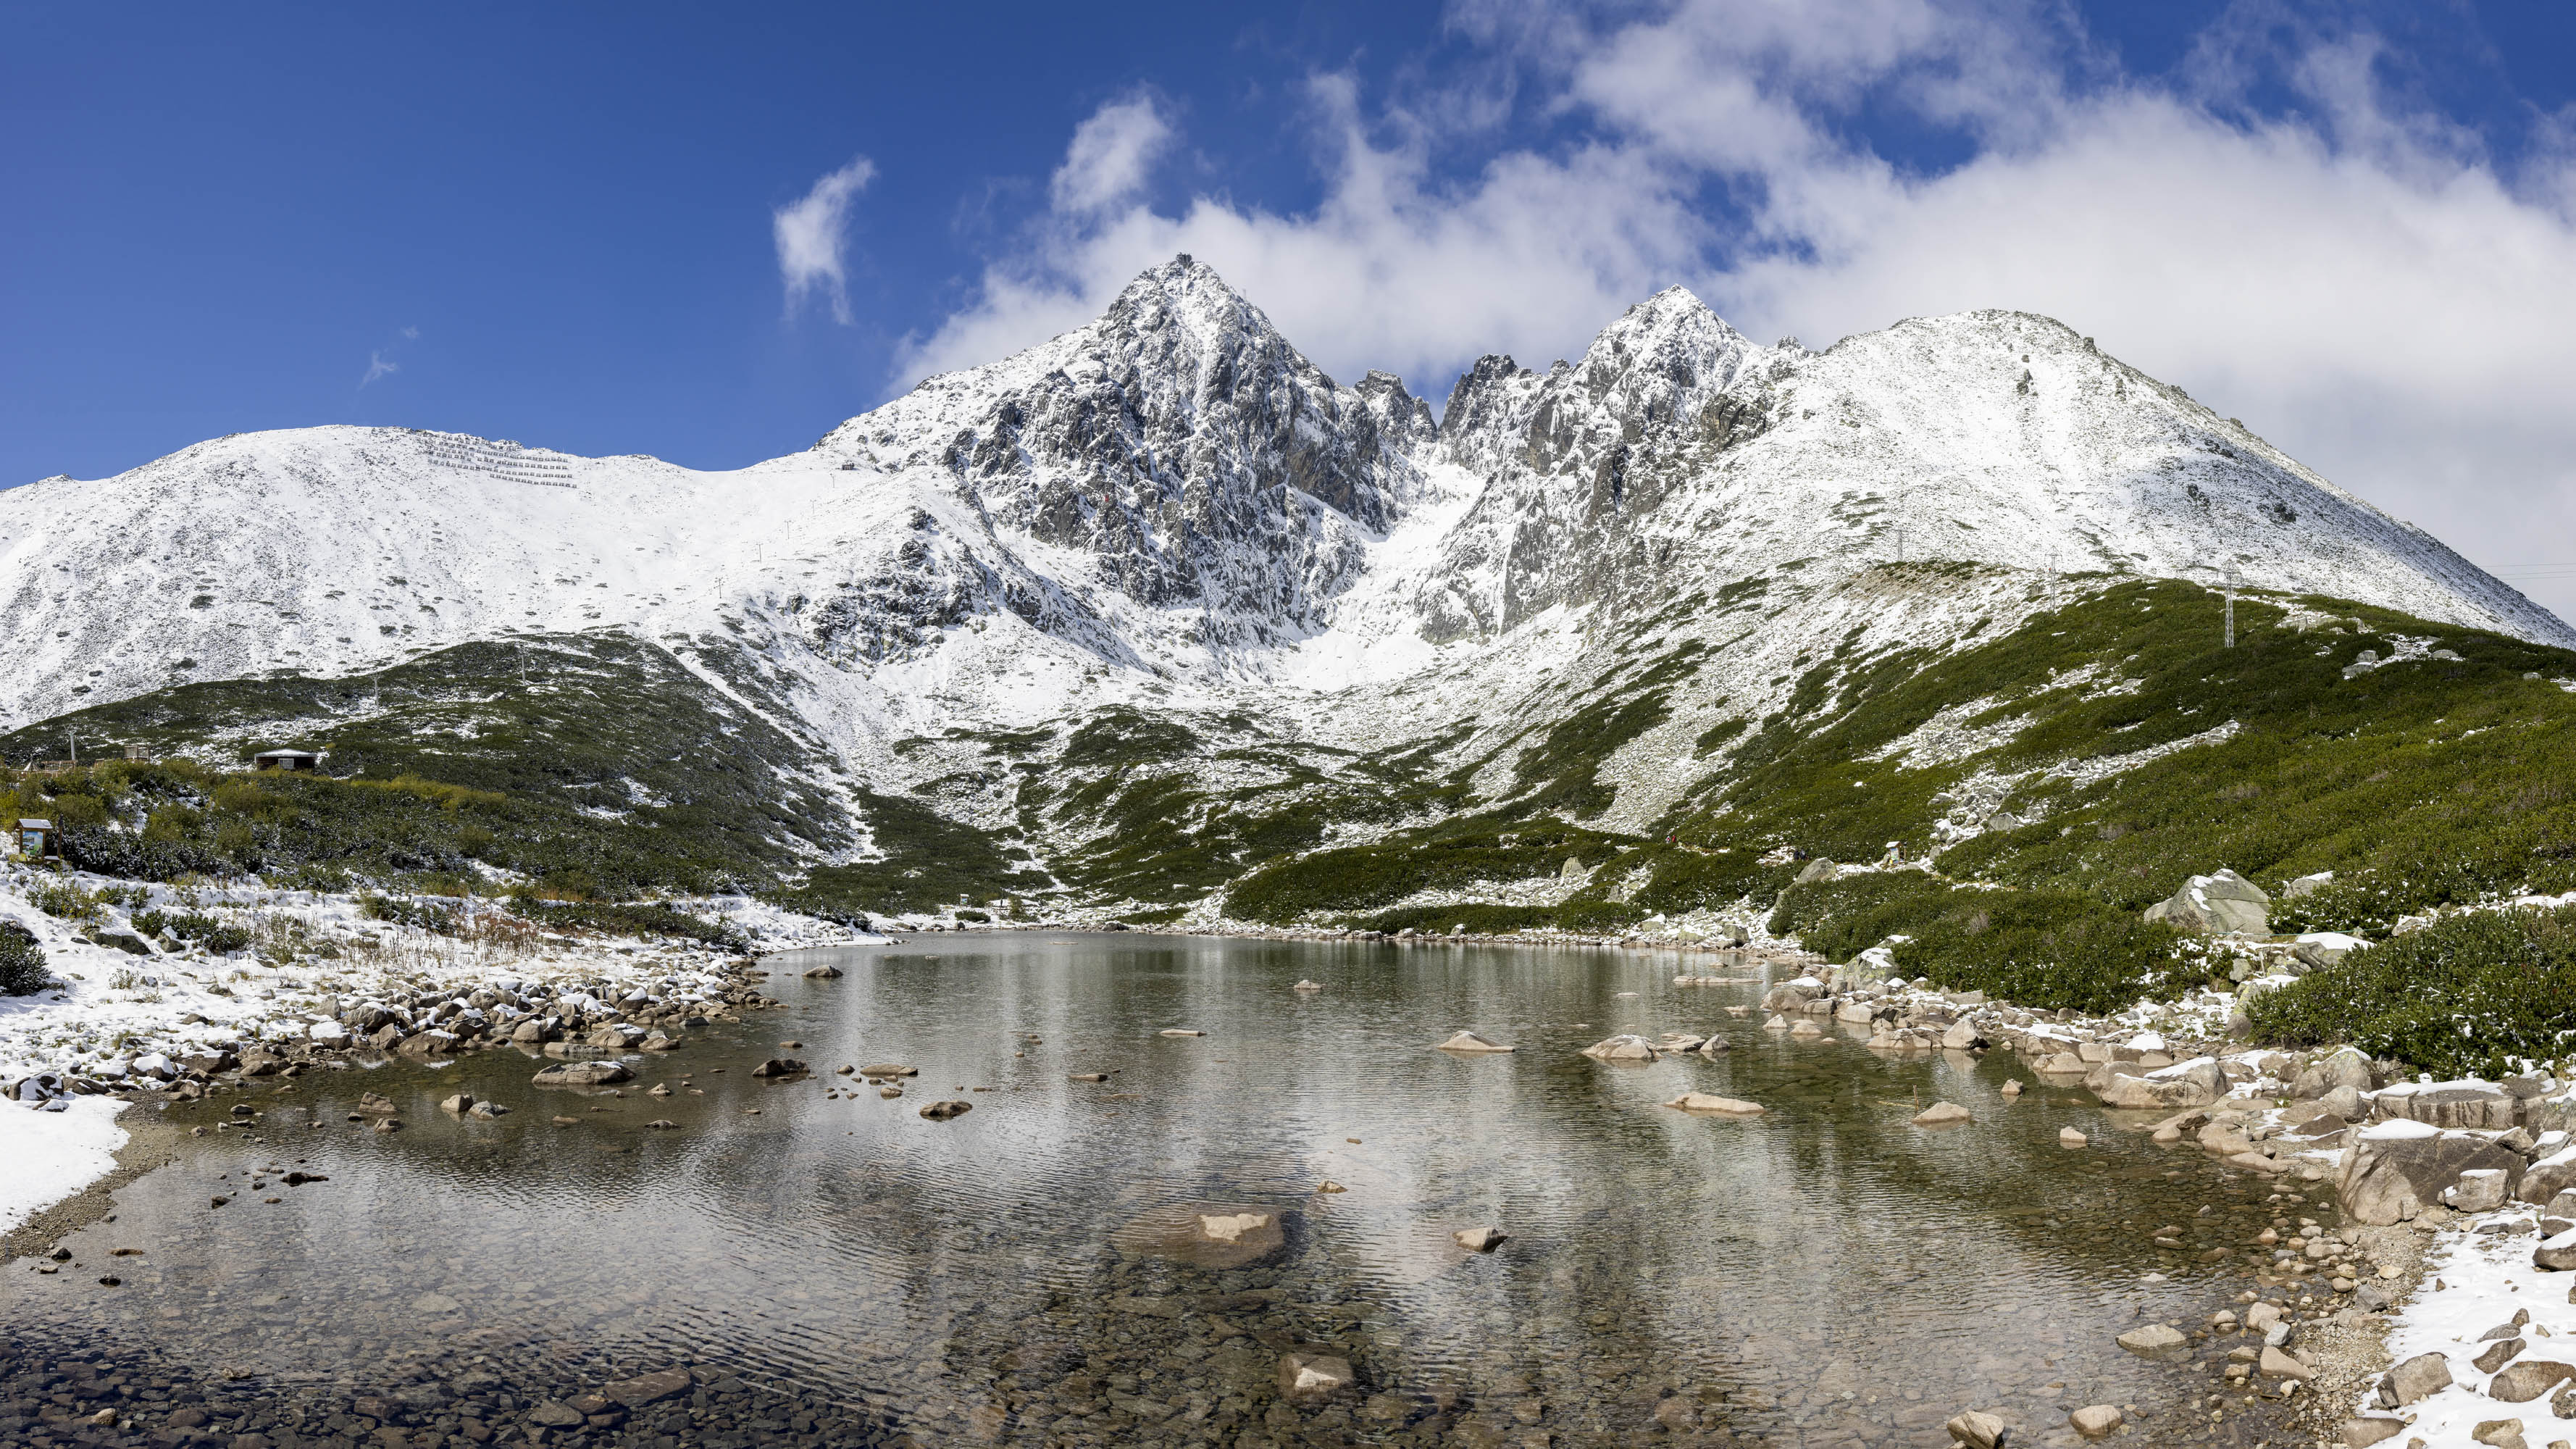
{"x": 2061, "y": 775}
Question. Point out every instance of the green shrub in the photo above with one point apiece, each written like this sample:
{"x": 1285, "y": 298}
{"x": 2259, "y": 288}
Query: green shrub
{"x": 208, "y": 931}
{"x": 64, "y": 901}
{"x": 436, "y": 917}
{"x": 1595, "y": 918}
{"x": 22, "y": 961}
{"x": 2047, "y": 950}
{"x": 1442, "y": 920}
{"x": 2464, "y": 996}
{"x": 1450, "y": 857}
{"x": 650, "y": 920}
{"x": 1822, "y": 913}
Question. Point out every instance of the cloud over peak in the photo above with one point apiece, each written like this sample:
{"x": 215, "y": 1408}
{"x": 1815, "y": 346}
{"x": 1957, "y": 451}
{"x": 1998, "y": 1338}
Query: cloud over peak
{"x": 2282, "y": 224}
{"x": 811, "y": 232}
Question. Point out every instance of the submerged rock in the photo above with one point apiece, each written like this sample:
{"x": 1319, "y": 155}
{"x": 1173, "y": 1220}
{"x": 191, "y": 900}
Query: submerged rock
{"x": 942, "y": 1111}
{"x": 583, "y": 1074}
{"x": 1721, "y": 1106}
{"x": 1313, "y": 1375}
{"x": 1220, "y": 1236}
{"x": 2153, "y": 1340}
{"x": 2097, "y": 1420}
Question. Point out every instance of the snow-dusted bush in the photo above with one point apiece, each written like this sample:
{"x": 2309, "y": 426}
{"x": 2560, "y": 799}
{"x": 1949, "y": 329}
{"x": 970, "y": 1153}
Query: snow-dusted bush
{"x": 22, "y": 961}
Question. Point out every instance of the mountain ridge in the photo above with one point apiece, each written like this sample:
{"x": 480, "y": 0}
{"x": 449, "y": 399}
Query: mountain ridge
{"x": 1602, "y": 587}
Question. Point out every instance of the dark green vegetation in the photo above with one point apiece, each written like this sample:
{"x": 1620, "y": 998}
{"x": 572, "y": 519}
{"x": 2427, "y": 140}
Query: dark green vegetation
{"x": 22, "y": 962}
{"x": 194, "y": 926}
{"x": 929, "y": 861}
{"x": 595, "y": 766}
{"x": 2421, "y": 783}
{"x": 2032, "y": 946}
{"x": 2465, "y": 995}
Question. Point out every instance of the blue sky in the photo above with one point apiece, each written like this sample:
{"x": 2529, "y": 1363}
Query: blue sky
{"x": 2348, "y": 224}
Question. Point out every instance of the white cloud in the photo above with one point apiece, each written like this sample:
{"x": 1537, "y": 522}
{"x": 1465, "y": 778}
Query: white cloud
{"x": 378, "y": 365}
{"x": 1112, "y": 152}
{"x": 1393, "y": 270}
{"x": 810, "y": 232}
{"x": 2353, "y": 276}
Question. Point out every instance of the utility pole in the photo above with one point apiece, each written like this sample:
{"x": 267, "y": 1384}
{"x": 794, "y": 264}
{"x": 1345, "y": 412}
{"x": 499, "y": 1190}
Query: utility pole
{"x": 2231, "y": 606}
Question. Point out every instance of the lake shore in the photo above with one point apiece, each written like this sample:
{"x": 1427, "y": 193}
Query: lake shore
{"x": 2341, "y": 1341}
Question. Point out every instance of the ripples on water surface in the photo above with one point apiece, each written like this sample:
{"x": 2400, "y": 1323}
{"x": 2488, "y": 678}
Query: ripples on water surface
{"x": 1827, "y": 1274}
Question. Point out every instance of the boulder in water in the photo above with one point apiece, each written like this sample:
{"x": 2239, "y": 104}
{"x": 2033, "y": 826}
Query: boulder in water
{"x": 1481, "y": 1240}
{"x": 1468, "y": 1041}
{"x": 1305, "y": 985}
{"x": 942, "y": 1111}
{"x": 1626, "y": 1047}
{"x": 1943, "y": 1114}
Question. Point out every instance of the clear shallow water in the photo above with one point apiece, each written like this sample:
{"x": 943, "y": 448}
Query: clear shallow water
{"x": 1824, "y": 1275}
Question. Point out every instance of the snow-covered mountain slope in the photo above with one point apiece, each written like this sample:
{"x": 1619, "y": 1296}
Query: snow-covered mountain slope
{"x": 1172, "y": 514}
{"x": 1677, "y": 456}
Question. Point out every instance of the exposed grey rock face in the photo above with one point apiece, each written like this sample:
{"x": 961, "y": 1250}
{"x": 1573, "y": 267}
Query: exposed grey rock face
{"x": 2481, "y": 1106}
{"x": 1178, "y": 442}
{"x": 2224, "y": 904}
{"x": 2395, "y": 1170}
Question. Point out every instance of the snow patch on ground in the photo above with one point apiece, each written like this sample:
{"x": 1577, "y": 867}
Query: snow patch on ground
{"x": 2484, "y": 1278}
{"x": 53, "y": 1154}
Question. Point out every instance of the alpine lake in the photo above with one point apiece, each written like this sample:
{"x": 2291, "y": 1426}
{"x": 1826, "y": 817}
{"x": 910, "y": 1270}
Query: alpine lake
{"x": 826, "y": 1265}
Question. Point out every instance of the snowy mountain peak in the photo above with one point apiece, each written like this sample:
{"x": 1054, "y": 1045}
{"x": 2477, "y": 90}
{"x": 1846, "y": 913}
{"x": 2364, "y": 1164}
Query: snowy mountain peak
{"x": 1174, "y": 492}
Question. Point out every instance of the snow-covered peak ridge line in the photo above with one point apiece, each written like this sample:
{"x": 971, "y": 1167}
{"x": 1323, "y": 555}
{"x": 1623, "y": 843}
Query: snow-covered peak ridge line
{"x": 1678, "y": 457}
{"x": 1180, "y": 446}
